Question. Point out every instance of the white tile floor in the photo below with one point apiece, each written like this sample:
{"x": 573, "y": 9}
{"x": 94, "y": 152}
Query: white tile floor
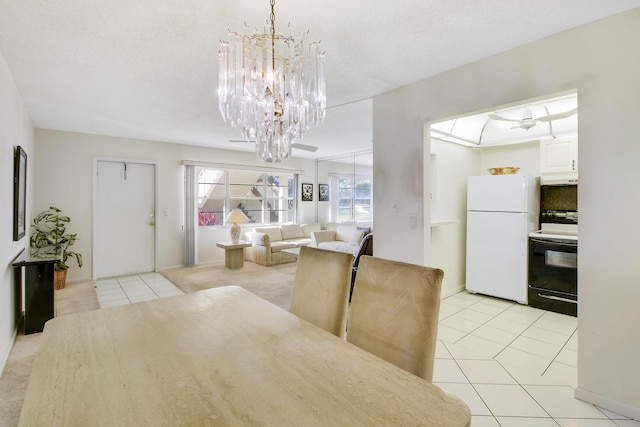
{"x": 514, "y": 365}
{"x": 134, "y": 288}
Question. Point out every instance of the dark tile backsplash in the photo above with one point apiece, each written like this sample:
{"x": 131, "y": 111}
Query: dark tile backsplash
{"x": 559, "y": 197}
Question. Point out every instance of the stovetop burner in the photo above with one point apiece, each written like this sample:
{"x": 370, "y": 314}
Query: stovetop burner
{"x": 559, "y": 217}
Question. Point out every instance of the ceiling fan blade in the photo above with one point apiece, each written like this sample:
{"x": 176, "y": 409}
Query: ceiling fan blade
{"x": 525, "y": 126}
{"x": 296, "y": 145}
{"x": 304, "y": 147}
{"x": 558, "y": 116}
{"x": 497, "y": 117}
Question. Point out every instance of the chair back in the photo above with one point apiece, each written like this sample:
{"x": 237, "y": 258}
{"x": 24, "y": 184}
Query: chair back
{"x": 366, "y": 248}
{"x": 394, "y": 313}
{"x": 321, "y": 285}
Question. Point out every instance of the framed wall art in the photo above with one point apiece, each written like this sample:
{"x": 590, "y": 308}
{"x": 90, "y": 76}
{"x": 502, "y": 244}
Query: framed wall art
{"x": 19, "y": 194}
{"x": 323, "y": 192}
{"x": 307, "y": 192}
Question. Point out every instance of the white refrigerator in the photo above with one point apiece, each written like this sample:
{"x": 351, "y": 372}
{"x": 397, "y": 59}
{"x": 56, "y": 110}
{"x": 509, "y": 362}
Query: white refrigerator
{"x": 501, "y": 212}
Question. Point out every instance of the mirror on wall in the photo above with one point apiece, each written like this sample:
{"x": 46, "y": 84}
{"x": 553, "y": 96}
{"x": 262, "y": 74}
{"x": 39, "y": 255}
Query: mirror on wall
{"x": 345, "y": 189}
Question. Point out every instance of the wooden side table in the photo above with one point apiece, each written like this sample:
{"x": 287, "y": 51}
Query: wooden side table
{"x": 234, "y": 253}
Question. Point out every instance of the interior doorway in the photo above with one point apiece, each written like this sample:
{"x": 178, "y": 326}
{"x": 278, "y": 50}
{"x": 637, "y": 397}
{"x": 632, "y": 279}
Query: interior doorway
{"x": 124, "y": 218}
{"x": 470, "y": 144}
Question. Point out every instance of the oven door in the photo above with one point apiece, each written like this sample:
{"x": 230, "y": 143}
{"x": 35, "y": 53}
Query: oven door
{"x": 553, "y": 275}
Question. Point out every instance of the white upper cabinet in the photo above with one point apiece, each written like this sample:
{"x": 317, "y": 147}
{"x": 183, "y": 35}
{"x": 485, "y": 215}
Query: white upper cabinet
{"x": 559, "y": 159}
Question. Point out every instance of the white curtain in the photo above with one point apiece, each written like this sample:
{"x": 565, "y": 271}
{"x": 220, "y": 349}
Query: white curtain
{"x": 190, "y": 214}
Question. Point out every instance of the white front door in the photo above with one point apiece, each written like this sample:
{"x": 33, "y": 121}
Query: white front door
{"x": 125, "y": 216}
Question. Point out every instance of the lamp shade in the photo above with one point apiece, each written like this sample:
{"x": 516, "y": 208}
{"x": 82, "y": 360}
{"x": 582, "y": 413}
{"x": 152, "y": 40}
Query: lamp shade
{"x": 234, "y": 217}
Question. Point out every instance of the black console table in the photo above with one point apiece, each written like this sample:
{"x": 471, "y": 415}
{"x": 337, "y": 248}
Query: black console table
{"x": 38, "y": 291}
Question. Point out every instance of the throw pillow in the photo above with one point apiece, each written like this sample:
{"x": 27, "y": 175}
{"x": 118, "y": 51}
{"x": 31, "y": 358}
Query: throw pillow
{"x": 356, "y": 237}
{"x": 343, "y": 233}
{"x": 292, "y": 231}
{"x": 307, "y": 229}
{"x": 275, "y": 235}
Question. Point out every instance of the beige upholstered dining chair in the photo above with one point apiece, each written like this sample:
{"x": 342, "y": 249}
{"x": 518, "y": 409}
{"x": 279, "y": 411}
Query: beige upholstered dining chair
{"x": 394, "y": 313}
{"x": 321, "y": 286}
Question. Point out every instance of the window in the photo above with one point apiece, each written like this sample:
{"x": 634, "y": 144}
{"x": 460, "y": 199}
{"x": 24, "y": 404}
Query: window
{"x": 263, "y": 197}
{"x": 354, "y": 199}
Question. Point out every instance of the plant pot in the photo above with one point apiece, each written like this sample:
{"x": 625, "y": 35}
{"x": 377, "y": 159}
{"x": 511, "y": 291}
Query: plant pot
{"x": 59, "y": 279}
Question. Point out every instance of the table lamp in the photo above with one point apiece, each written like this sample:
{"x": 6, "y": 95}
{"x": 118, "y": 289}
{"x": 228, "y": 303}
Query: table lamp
{"x": 234, "y": 217}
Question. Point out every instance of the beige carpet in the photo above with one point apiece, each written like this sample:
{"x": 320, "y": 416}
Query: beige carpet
{"x": 271, "y": 283}
{"x": 75, "y": 297}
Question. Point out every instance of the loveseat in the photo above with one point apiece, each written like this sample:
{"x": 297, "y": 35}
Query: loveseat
{"x": 267, "y": 243}
{"x": 344, "y": 238}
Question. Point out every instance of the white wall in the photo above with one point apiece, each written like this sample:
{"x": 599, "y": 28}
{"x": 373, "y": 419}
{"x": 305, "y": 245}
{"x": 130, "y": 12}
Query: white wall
{"x": 454, "y": 163}
{"x": 64, "y": 179}
{"x": 601, "y": 60}
{"x": 524, "y": 156}
{"x": 15, "y": 130}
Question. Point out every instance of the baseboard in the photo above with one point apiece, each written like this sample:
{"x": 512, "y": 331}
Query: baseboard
{"x": 200, "y": 264}
{"x": 5, "y": 356}
{"x": 171, "y": 267}
{"x": 78, "y": 279}
{"x": 452, "y": 292}
{"x": 607, "y": 403}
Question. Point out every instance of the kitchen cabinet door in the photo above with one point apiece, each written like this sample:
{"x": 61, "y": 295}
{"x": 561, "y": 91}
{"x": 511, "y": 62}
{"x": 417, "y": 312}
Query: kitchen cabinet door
{"x": 559, "y": 156}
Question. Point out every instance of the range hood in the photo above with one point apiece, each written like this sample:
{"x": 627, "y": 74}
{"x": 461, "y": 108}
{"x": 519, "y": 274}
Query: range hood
{"x": 558, "y": 179}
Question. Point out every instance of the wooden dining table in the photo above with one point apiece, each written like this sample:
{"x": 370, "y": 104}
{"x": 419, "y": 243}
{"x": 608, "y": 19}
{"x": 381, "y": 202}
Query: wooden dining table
{"x": 219, "y": 357}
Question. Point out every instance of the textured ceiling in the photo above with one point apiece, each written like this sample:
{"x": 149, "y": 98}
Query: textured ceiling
{"x": 148, "y": 69}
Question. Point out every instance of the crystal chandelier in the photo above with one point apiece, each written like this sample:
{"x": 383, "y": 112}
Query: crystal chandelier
{"x": 271, "y": 86}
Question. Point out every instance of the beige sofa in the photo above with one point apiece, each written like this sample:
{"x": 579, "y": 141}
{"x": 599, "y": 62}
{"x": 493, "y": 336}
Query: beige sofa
{"x": 344, "y": 238}
{"x": 267, "y": 243}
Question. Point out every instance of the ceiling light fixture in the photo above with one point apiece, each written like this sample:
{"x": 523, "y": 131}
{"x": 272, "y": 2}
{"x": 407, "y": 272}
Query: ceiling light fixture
{"x": 272, "y": 87}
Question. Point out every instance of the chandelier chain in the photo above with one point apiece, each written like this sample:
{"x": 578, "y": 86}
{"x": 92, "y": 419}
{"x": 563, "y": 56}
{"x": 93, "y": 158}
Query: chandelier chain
{"x": 273, "y": 36}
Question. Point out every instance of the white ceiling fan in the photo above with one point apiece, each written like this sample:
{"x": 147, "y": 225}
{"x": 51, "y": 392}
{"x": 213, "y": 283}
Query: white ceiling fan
{"x": 527, "y": 121}
{"x": 296, "y": 145}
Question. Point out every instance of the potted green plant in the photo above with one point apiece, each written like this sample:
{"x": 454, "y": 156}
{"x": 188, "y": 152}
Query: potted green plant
{"x": 50, "y": 238}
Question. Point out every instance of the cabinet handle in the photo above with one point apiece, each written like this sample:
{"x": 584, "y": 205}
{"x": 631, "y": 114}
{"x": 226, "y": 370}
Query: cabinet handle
{"x": 573, "y": 165}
